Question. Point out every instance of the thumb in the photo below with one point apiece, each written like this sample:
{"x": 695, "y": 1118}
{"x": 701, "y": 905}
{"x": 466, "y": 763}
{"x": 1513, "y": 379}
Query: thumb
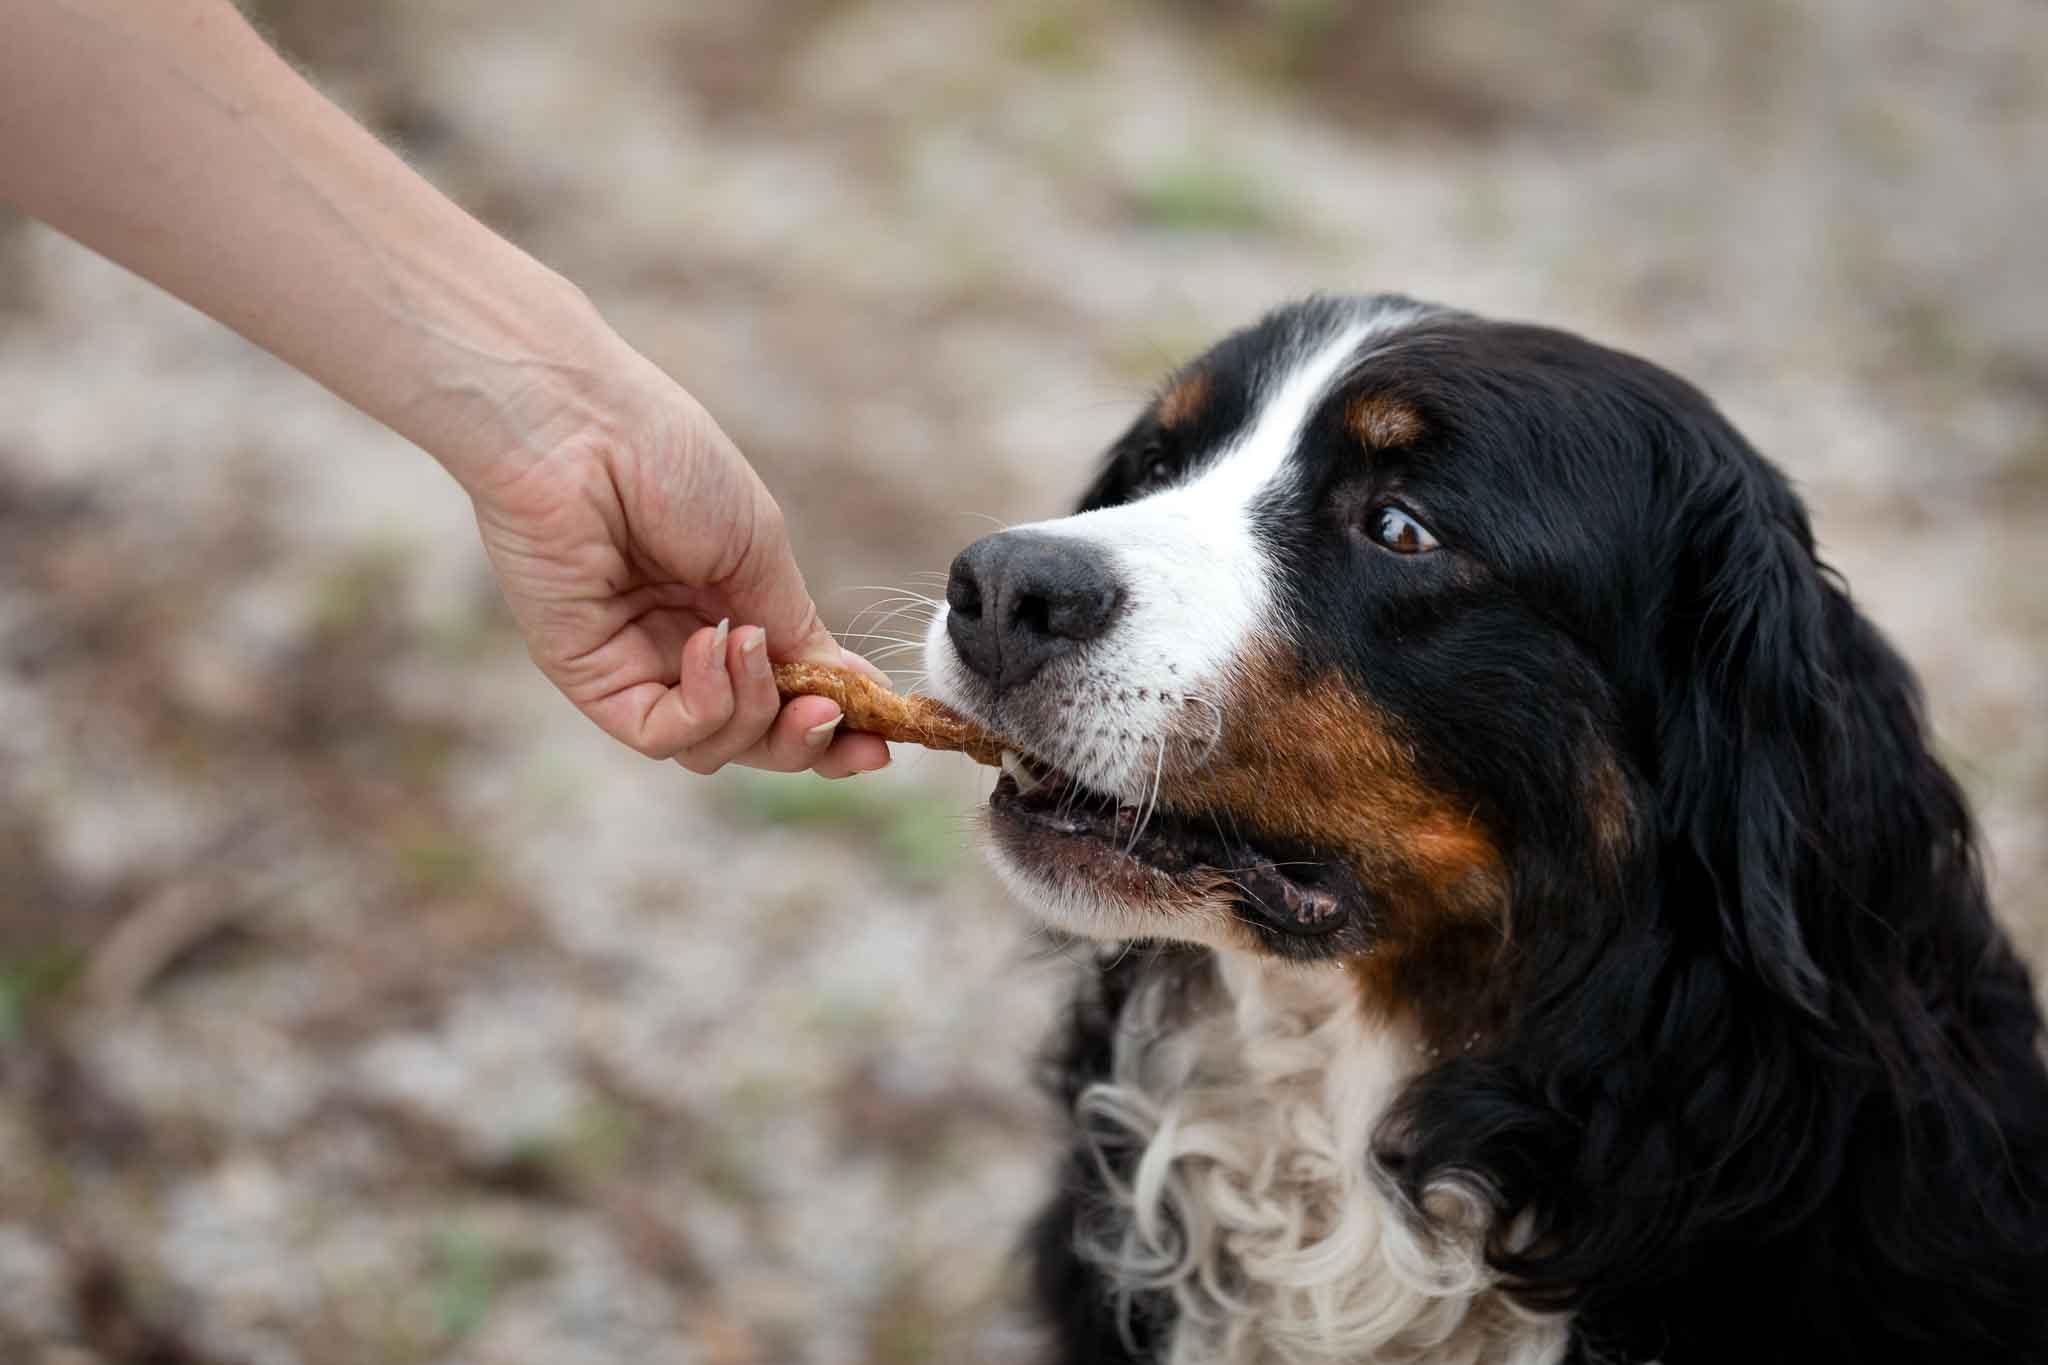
{"x": 770, "y": 593}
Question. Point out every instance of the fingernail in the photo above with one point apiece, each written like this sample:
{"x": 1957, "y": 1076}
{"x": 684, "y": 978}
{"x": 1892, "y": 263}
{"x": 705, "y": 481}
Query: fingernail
{"x": 715, "y": 661}
{"x": 818, "y": 736}
{"x": 754, "y": 650}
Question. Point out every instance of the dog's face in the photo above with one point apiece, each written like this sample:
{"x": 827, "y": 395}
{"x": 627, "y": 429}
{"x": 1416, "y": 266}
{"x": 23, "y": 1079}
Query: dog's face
{"x": 1327, "y": 658}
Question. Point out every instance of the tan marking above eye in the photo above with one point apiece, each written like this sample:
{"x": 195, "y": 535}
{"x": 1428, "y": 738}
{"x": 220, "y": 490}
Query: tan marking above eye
{"x": 1382, "y": 422}
{"x": 1184, "y": 400}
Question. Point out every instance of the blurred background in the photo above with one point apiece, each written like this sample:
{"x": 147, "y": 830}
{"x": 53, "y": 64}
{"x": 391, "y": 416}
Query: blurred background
{"x": 360, "y": 1003}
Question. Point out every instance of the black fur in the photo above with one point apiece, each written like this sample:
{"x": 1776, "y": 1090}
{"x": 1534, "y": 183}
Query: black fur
{"x": 1769, "y": 1084}
{"x": 1076, "y": 1303}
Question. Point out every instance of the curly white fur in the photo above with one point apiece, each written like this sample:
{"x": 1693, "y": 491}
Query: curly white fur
{"x": 1253, "y": 1203}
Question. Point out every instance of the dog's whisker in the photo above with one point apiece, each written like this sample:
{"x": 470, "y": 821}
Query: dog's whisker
{"x": 880, "y": 630}
{"x": 905, "y": 601}
{"x": 1263, "y": 866}
{"x": 1214, "y": 740}
{"x": 858, "y": 626}
{"x": 895, "y": 588}
{"x": 897, "y": 597}
{"x": 884, "y": 614}
{"x": 879, "y": 635}
{"x": 1151, "y": 807}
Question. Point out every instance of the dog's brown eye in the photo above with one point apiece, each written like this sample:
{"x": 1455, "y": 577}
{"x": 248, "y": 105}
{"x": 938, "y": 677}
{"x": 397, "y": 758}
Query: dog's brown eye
{"x": 1399, "y": 532}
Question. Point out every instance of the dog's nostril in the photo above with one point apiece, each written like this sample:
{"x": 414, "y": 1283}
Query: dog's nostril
{"x": 963, "y": 592}
{"x": 1079, "y": 616}
{"x": 1018, "y": 599}
{"x": 1033, "y": 614}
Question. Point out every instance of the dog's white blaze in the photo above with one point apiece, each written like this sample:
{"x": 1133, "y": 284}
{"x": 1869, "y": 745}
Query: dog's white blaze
{"x": 1253, "y": 1203}
{"x": 1196, "y": 580}
{"x": 1198, "y": 585}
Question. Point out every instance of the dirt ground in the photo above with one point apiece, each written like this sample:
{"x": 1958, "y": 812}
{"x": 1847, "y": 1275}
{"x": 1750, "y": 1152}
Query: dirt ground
{"x": 359, "y": 1003}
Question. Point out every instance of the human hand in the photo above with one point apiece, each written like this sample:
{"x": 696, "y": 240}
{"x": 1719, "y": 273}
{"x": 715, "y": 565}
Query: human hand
{"x": 649, "y": 570}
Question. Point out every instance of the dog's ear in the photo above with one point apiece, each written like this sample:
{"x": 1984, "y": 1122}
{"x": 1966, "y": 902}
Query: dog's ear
{"x": 1796, "y": 794}
{"x": 1746, "y": 695}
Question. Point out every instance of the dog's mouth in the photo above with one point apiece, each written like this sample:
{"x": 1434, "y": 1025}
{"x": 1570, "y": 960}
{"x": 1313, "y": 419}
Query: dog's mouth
{"x": 1047, "y": 819}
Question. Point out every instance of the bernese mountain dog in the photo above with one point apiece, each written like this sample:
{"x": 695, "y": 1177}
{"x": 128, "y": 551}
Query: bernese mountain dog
{"x": 1534, "y": 926}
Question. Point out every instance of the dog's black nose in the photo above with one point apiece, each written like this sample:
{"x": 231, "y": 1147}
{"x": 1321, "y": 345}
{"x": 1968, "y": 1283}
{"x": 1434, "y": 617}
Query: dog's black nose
{"x": 1019, "y": 599}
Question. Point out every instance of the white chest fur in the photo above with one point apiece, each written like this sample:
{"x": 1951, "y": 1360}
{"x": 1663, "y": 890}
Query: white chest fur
{"x": 1252, "y": 1203}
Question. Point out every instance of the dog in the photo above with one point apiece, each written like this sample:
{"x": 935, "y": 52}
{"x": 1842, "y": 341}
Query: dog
{"x": 1533, "y": 925}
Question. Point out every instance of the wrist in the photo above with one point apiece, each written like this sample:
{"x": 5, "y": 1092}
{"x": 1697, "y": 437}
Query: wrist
{"x": 532, "y": 373}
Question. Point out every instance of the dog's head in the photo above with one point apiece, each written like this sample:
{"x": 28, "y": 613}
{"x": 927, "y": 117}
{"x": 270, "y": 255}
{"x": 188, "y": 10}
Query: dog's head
{"x": 1396, "y": 637}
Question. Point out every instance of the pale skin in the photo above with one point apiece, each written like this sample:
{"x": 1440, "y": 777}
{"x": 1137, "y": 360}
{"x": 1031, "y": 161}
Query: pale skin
{"x": 644, "y": 561}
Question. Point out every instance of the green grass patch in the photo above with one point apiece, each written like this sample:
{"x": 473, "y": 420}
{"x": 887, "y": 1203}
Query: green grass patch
{"x": 599, "y": 1141}
{"x": 1287, "y": 43}
{"x": 31, "y": 981}
{"x": 1050, "y": 36}
{"x": 465, "y": 1282}
{"x": 439, "y": 861}
{"x": 904, "y": 1326}
{"x": 366, "y": 584}
{"x": 718, "y": 1166}
{"x": 468, "y": 1272}
{"x": 801, "y": 801}
{"x": 922, "y": 837}
{"x": 1200, "y": 198}
{"x": 919, "y": 836}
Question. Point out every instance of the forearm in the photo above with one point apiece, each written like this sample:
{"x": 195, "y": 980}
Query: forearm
{"x": 167, "y": 136}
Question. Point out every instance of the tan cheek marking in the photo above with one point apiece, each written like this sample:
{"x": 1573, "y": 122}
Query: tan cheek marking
{"x": 1416, "y": 979}
{"x": 1311, "y": 759}
{"x": 1383, "y": 983}
{"x": 1383, "y": 423}
{"x": 1183, "y": 402}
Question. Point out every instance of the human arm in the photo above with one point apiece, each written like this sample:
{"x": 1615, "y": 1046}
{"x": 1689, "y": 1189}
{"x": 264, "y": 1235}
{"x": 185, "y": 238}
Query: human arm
{"x": 622, "y": 523}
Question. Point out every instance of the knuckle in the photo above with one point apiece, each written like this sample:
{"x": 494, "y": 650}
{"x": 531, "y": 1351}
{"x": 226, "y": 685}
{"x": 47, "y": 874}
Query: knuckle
{"x": 700, "y": 723}
{"x": 692, "y": 726}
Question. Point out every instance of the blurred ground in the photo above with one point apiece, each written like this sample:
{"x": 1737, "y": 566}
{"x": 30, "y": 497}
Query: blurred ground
{"x": 359, "y": 1004}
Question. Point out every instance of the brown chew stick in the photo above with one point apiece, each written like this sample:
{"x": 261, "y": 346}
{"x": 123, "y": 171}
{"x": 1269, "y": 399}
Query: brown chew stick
{"x": 876, "y": 710}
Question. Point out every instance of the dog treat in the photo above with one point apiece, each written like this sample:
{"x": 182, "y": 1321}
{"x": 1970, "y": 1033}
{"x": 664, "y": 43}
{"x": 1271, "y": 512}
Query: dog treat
{"x": 875, "y": 710}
